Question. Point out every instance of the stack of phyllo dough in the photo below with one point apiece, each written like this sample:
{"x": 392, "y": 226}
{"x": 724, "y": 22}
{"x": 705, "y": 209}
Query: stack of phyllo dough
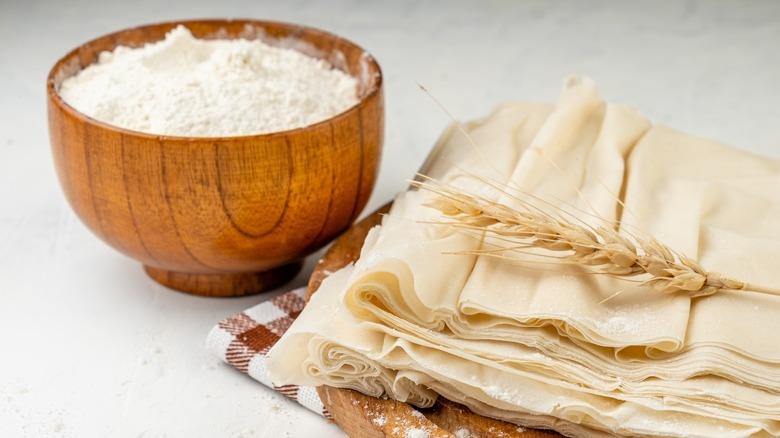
{"x": 552, "y": 345}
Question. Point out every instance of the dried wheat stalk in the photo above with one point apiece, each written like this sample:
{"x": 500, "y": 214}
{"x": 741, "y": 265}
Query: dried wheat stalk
{"x": 601, "y": 249}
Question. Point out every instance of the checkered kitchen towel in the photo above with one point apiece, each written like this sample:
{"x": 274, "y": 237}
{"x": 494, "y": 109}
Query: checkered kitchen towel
{"x": 244, "y": 339}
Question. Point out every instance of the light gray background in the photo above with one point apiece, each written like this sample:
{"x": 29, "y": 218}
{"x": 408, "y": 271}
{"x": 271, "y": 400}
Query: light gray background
{"x": 90, "y": 347}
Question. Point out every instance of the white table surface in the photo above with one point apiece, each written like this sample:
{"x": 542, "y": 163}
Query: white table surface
{"x": 90, "y": 347}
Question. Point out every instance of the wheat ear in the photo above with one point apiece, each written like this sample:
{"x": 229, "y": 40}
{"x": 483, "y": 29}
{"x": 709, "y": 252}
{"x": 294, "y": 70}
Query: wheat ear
{"x": 601, "y": 249}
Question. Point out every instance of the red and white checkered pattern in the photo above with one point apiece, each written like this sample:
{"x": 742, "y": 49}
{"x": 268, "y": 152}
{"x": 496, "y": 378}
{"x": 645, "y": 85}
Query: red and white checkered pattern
{"x": 244, "y": 339}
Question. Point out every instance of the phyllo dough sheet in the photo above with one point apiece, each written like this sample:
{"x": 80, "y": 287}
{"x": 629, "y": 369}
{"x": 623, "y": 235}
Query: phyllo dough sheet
{"x": 547, "y": 344}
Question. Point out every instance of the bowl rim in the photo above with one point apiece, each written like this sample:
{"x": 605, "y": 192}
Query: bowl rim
{"x": 55, "y": 98}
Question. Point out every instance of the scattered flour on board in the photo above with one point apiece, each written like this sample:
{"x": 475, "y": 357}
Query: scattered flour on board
{"x": 416, "y": 432}
{"x": 462, "y": 433}
{"x": 206, "y": 88}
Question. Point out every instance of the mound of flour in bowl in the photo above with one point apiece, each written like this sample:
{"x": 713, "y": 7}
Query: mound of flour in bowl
{"x": 206, "y": 88}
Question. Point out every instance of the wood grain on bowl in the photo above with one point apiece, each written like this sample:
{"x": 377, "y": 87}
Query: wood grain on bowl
{"x": 364, "y": 416}
{"x": 220, "y": 216}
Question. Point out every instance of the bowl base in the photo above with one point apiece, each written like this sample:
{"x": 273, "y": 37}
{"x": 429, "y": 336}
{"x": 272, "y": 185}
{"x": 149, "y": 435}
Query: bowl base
{"x": 225, "y": 285}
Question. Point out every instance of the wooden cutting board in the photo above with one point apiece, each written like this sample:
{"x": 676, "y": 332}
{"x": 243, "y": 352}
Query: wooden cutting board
{"x": 362, "y": 416}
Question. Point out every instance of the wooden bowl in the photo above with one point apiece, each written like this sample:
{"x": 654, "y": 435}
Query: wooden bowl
{"x": 226, "y": 216}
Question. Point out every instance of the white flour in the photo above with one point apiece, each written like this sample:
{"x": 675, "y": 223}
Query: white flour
{"x": 205, "y": 88}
